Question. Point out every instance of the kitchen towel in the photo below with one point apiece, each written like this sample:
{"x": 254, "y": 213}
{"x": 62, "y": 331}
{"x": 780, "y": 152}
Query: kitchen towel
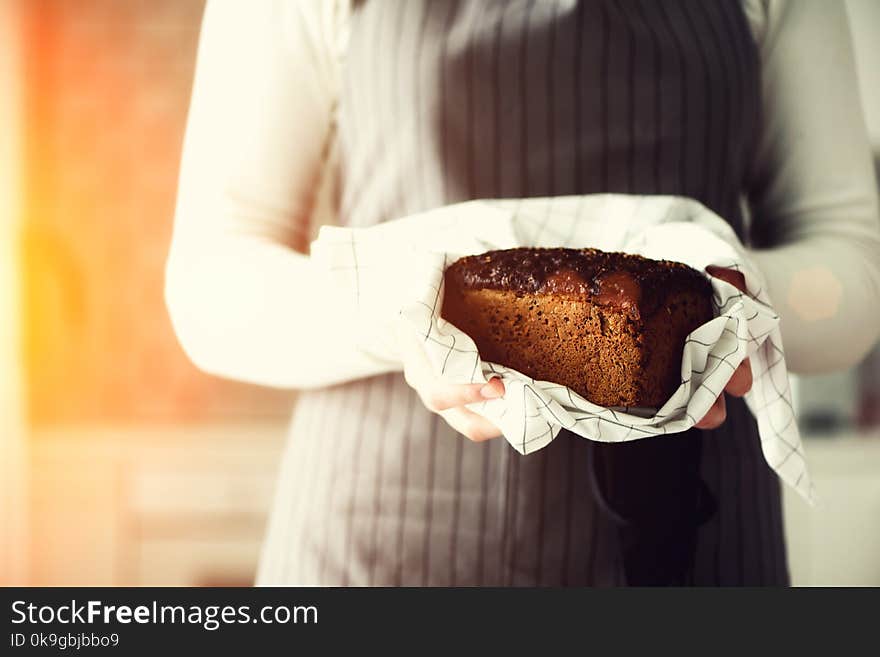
{"x": 394, "y": 272}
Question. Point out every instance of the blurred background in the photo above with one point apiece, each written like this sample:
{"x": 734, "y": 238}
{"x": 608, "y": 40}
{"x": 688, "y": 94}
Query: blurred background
{"x": 120, "y": 463}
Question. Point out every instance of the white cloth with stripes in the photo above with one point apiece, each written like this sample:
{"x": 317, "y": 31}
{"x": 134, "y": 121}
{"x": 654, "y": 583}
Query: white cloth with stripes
{"x": 532, "y": 413}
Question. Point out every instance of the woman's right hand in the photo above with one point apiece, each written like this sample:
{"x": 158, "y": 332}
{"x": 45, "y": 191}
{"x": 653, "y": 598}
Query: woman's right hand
{"x": 446, "y": 399}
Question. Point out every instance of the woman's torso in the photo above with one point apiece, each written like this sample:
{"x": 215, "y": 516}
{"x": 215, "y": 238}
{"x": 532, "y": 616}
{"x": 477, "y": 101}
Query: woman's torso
{"x": 449, "y": 101}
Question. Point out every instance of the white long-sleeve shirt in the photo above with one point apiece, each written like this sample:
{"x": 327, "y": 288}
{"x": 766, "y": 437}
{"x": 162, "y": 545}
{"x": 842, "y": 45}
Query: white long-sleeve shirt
{"x": 246, "y": 305}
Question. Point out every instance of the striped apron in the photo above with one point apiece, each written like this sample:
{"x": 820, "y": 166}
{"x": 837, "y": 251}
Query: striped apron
{"x": 449, "y": 101}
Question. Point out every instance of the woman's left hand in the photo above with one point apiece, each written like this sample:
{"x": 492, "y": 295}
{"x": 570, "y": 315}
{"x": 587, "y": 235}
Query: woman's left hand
{"x": 741, "y": 380}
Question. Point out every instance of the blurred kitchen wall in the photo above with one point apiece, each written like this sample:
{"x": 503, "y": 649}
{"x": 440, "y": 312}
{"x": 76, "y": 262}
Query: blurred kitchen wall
{"x": 865, "y": 23}
{"x": 850, "y": 400}
{"x": 107, "y": 84}
{"x": 141, "y": 469}
{"x": 13, "y": 564}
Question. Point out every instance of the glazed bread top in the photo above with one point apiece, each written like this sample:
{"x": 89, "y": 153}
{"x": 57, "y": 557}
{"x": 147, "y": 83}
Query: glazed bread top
{"x": 632, "y": 283}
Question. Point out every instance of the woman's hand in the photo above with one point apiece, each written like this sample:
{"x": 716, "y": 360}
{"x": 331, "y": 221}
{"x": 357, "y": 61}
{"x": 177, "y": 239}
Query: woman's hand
{"x": 741, "y": 381}
{"x": 448, "y": 400}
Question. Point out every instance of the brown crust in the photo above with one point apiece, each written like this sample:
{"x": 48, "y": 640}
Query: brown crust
{"x": 610, "y": 326}
{"x": 629, "y": 282}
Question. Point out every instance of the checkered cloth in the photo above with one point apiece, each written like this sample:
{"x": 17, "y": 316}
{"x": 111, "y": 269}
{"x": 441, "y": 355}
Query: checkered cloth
{"x": 395, "y": 270}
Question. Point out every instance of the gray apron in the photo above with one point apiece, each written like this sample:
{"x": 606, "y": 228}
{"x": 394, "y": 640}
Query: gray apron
{"x": 455, "y": 100}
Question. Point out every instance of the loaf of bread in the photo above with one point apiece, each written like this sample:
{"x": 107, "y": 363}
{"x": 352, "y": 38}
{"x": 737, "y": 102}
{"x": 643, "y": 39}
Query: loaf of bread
{"x": 610, "y": 326}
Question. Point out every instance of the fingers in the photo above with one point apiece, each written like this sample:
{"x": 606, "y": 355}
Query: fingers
{"x": 449, "y": 399}
{"x": 715, "y": 416}
{"x": 440, "y": 396}
{"x": 738, "y": 385}
{"x": 436, "y": 394}
{"x": 741, "y": 380}
{"x": 493, "y": 389}
{"x": 472, "y": 426}
{"x": 731, "y": 276}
